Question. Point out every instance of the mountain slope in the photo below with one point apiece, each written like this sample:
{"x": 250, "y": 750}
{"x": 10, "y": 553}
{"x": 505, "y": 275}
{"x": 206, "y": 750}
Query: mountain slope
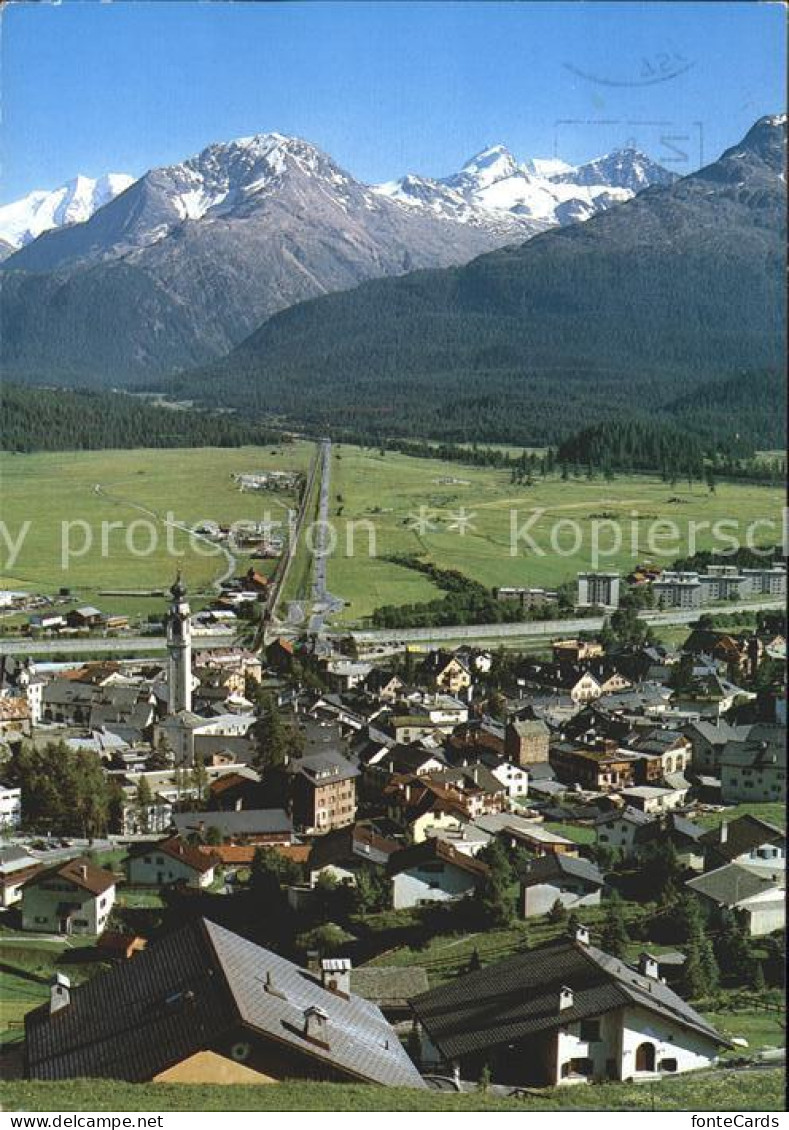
{"x": 191, "y": 258}
{"x": 187, "y": 261}
{"x": 24, "y": 220}
{"x": 678, "y": 285}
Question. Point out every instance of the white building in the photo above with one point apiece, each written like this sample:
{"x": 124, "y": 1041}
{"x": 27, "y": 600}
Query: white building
{"x": 10, "y": 806}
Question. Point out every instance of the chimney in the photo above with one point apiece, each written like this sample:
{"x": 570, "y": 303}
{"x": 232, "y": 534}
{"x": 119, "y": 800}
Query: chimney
{"x": 336, "y": 976}
{"x": 724, "y": 831}
{"x": 316, "y": 1025}
{"x": 59, "y": 993}
{"x": 566, "y": 998}
{"x": 271, "y": 988}
{"x": 648, "y": 966}
{"x": 83, "y": 870}
{"x": 313, "y": 961}
{"x": 582, "y": 934}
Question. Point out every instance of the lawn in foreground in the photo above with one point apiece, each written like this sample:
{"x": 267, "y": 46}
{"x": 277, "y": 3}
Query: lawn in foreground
{"x": 391, "y": 491}
{"x": 751, "y": 1091}
{"x": 124, "y": 487}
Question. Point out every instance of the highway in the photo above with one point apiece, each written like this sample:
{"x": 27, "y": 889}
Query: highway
{"x": 543, "y": 628}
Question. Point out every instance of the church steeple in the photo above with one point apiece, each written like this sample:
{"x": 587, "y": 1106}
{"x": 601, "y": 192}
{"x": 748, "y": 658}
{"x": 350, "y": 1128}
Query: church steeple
{"x": 179, "y": 647}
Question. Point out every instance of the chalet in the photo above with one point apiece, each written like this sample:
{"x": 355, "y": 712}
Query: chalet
{"x": 746, "y": 840}
{"x": 470, "y": 739}
{"x": 204, "y": 1005}
{"x": 170, "y": 861}
{"x": 619, "y": 829}
{"x": 75, "y": 897}
{"x": 346, "y": 851}
{"x": 514, "y": 779}
{"x": 754, "y": 770}
{"x": 708, "y": 740}
{"x": 685, "y": 836}
{"x": 16, "y": 867}
{"x": 264, "y": 826}
{"x": 419, "y": 803}
{"x": 447, "y": 673}
{"x": 758, "y": 897}
{"x": 86, "y": 617}
{"x": 559, "y": 878}
{"x": 599, "y": 769}
{"x": 563, "y": 1013}
{"x": 433, "y": 871}
{"x": 383, "y": 685}
{"x": 663, "y": 752}
{"x": 515, "y": 831}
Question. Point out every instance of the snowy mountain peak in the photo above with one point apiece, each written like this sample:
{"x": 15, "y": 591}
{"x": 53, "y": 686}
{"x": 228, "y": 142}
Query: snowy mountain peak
{"x": 492, "y": 164}
{"x": 72, "y": 203}
{"x": 626, "y": 168}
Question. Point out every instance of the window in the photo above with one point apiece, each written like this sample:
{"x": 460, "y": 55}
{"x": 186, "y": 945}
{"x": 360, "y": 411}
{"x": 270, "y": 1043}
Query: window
{"x": 667, "y": 1065}
{"x": 590, "y": 1030}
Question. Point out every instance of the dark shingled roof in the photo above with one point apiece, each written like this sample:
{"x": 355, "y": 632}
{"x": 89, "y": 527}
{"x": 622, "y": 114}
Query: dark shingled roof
{"x": 742, "y": 835}
{"x": 519, "y": 997}
{"x": 551, "y": 868}
{"x": 196, "y": 987}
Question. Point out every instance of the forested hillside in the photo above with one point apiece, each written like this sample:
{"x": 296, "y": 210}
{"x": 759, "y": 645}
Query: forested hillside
{"x": 631, "y": 311}
{"x": 48, "y": 419}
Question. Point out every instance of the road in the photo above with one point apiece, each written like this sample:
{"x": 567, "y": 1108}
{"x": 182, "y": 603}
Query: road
{"x": 539, "y": 628}
{"x": 323, "y": 603}
{"x": 124, "y": 645}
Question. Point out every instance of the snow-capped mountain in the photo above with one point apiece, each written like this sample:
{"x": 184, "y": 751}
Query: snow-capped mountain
{"x": 192, "y": 257}
{"x": 627, "y": 168}
{"x": 542, "y": 191}
{"x": 24, "y": 220}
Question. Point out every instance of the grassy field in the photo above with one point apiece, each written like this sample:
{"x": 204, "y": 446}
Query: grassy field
{"x": 756, "y": 1091}
{"x": 26, "y": 965}
{"x": 387, "y": 490}
{"x": 124, "y": 487}
{"x": 773, "y": 813}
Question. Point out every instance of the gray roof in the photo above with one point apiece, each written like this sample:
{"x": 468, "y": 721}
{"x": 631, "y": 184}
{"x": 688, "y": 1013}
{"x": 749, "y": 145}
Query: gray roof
{"x": 389, "y": 984}
{"x": 360, "y": 1041}
{"x": 519, "y": 997}
{"x": 328, "y": 765}
{"x": 244, "y": 822}
{"x": 552, "y": 868}
{"x": 195, "y": 987}
{"x": 732, "y": 884}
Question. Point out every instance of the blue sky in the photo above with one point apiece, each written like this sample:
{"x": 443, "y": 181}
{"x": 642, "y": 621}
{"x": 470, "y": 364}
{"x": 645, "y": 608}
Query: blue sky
{"x": 385, "y": 88}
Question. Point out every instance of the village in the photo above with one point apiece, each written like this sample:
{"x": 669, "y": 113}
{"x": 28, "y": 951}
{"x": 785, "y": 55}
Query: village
{"x": 259, "y": 859}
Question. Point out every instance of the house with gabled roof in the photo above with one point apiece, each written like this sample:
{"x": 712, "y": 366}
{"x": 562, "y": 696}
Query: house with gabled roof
{"x": 171, "y": 860}
{"x": 433, "y": 871}
{"x": 563, "y": 1013}
{"x": 570, "y": 881}
{"x": 204, "y": 1005}
{"x": 747, "y": 840}
{"x": 756, "y": 895}
{"x": 74, "y": 897}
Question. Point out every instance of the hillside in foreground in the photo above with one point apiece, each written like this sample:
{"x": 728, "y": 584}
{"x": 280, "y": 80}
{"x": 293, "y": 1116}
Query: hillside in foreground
{"x": 754, "y": 1091}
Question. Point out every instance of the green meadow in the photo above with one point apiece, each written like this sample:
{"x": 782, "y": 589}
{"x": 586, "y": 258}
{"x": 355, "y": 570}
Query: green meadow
{"x": 106, "y": 493}
{"x": 392, "y": 490}
{"x": 376, "y": 501}
{"x": 727, "y": 1091}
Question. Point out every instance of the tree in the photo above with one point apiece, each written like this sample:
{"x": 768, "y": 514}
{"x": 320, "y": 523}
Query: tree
{"x": 615, "y": 937}
{"x": 199, "y": 780}
{"x": 276, "y": 741}
{"x": 494, "y": 896}
{"x": 143, "y": 799}
{"x": 557, "y": 913}
{"x": 757, "y": 981}
{"x": 732, "y": 950}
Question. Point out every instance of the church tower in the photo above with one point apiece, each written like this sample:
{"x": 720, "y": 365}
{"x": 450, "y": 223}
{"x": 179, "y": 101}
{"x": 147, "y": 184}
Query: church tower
{"x": 179, "y": 647}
